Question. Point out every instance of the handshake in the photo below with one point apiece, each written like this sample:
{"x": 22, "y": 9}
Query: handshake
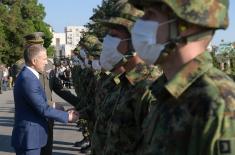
{"x": 73, "y": 114}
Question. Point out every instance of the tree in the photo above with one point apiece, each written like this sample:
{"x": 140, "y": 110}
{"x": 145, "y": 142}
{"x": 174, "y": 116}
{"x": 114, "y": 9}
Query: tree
{"x": 18, "y": 18}
{"x": 102, "y": 12}
{"x": 51, "y": 51}
{"x": 3, "y": 41}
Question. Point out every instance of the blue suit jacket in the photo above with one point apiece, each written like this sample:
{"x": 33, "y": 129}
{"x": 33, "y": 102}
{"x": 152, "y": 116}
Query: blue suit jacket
{"x": 32, "y": 112}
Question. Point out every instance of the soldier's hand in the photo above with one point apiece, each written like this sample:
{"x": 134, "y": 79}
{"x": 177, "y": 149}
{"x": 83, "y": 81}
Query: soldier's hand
{"x": 73, "y": 116}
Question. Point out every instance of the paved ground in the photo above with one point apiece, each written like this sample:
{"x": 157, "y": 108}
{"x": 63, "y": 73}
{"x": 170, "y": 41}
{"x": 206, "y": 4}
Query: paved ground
{"x": 64, "y": 136}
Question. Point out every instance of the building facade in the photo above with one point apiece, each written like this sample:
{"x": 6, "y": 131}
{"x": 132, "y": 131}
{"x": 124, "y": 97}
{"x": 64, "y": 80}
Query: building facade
{"x": 73, "y": 34}
{"x": 65, "y": 42}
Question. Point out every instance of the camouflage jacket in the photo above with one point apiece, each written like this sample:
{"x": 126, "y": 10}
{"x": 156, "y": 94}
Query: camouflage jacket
{"x": 90, "y": 79}
{"x": 76, "y": 72}
{"x": 194, "y": 114}
{"x": 84, "y": 81}
{"x": 124, "y": 128}
{"x": 89, "y": 82}
{"x": 104, "y": 111}
{"x": 103, "y": 86}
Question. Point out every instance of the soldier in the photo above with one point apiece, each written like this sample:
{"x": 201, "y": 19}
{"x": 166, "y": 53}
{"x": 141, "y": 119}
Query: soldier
{"x": 124, "y": 116}
{"x": 86, "y": 79}
{"x": 49, "y": 84}
{"x": 194, "y": 114}
{"x": 108, "y": 90}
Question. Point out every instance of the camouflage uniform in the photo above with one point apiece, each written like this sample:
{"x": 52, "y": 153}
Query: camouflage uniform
{"x": 85, "y": 81}
{"x": 180, "y": 123}
{"x": 100, "y": 89}
{"x": 118, "y": 127}
{"x": 124, "y": 127}
{"x": 90, "y": 80}
{"x": 78, "y": 76}
{"x": 111, "y": 90}
{"x": 194, "y": 112}
{"x": 76, "y": 71}
{"x": 91, "y": 77}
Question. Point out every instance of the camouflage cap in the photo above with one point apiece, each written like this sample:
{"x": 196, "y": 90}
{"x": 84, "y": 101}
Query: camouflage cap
{"x": 34, "y": 38}
{"x": 207, "y": 13}
{"x": 92, "y": 44}
{"x": 125, "y": 15}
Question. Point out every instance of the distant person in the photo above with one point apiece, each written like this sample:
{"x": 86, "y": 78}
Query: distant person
{"x": 67, "y": 77}
{"x": 5, "y": 78}
{"x": 32, "y": 111}
{"x": 10, "y": 77}
{"x": 1, "y": 76}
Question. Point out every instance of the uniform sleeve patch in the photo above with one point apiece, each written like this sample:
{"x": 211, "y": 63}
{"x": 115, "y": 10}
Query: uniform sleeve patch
{"x": 224, "y": 146}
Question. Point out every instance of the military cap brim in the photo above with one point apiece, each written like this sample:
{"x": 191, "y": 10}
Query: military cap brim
{"x": 35, "y": 38}
{"x": 116, "y": 21}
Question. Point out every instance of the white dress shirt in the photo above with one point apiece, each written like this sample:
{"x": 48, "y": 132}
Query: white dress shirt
{"x": 34, "y": 71}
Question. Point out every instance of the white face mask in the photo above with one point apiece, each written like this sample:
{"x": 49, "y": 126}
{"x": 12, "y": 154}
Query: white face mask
{"x": 96, "y": 65}
{"x": 144, "y": 40}
{"x": 110, "y": 56}
{"x": 104, "y": 64}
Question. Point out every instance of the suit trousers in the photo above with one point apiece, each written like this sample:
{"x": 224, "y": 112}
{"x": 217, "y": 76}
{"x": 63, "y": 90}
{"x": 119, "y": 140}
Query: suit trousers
{"x": 28, "y": 152}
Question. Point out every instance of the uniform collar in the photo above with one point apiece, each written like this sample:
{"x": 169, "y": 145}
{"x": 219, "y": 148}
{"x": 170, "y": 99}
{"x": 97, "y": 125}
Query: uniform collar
{"x": 140, "y": 72}
{"x": 189, "y": 73}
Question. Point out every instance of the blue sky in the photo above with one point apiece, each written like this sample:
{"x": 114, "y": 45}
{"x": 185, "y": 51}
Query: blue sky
{"x": 61, "y": 13}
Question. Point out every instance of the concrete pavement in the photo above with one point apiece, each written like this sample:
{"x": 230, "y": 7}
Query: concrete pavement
{"x": 64, "y": 136}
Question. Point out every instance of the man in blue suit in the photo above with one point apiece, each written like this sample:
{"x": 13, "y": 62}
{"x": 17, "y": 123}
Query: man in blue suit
{"x": 32, "y": 111}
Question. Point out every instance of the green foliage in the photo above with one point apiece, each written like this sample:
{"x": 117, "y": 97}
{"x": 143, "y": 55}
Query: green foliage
{"x": 50, "y": 51}
{"x": 18, "y": 18}
{"x": 101, "y": 12}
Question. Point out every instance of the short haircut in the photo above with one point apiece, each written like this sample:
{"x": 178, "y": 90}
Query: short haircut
{"x": 32, "y": 51}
